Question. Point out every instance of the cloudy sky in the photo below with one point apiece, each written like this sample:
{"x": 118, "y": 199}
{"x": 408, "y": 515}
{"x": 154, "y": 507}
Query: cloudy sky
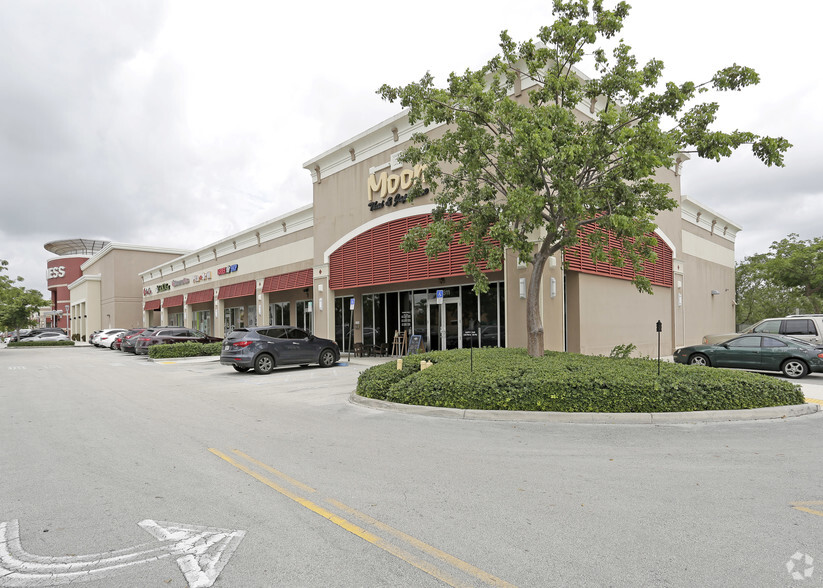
{"x": 176, "y": 124}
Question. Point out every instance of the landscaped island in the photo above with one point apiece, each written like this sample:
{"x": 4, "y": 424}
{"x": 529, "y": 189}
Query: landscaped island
{"x": 509, "y": 379}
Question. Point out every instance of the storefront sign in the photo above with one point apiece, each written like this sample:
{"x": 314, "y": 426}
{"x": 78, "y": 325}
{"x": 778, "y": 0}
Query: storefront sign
{"x": 382, "y": 188}
{"x": 405, "y": 319}
{"x": 182, "y": 282}
{"x": 202, "y": 277}
{"x": 56, "y": 272}
{"x": 227, "y": 270}
{"x": 147, "y": 292}
{"x": 163, "y": 288}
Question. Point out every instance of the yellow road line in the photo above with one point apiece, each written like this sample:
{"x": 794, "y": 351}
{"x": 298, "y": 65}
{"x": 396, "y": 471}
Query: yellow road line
{"x": 804, "y": 506}
{"x": 814, "y": 400}
{"x": 442, "y": 555}
{"x": 348, "y": 526}
{"x": 274, "y": 471}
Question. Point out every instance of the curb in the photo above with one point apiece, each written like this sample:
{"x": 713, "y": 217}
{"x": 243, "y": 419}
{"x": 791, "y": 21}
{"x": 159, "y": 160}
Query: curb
{"x": 598, "y": 418}
{"x": 198, "y": 359}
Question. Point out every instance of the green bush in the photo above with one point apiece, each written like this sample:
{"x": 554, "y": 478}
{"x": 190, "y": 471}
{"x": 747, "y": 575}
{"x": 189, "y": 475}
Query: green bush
{"x": 41, "y": 343}
{"x": 188, "y": 349}
{"x": 509, "y": 379}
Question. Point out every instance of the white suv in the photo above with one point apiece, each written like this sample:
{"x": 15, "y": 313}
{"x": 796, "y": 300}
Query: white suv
{"x": 808, "y": 327}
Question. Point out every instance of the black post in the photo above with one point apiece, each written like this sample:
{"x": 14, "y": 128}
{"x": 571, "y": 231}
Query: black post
{"x": 659, "y": 330}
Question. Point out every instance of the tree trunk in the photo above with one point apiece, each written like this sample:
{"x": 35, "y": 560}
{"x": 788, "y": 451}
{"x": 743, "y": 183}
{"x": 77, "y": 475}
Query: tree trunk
{"x": 534, "y": 325}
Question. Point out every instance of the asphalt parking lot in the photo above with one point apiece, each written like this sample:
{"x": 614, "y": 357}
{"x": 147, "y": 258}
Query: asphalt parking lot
{"x": 312, "y": 490}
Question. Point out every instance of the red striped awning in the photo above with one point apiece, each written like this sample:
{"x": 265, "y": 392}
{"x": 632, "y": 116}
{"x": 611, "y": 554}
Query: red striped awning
{"x": 152, "y": 305}
{"x": 289, "y": 281}
{"x": 206, "y": 295}
{"x": 170, "y": 301}
{"x": 375, "y": 257}
{"x": 237, "y": 290}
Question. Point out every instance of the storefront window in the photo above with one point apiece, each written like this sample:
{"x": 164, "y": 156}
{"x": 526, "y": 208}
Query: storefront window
{"x": 202, "y": 321}
{"x": 234, "y": 318}
{"x": 176, "y": 319}
{"x": 374, "y": 319}
{"x": 304, "y": 315}
{"x": 343, "y": 319}
{"x": 280, "y": 313}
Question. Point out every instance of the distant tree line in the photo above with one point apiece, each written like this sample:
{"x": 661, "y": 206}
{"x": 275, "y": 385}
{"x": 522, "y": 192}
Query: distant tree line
{"x": 17, "y": 303}
{"x": 786, "y": 280}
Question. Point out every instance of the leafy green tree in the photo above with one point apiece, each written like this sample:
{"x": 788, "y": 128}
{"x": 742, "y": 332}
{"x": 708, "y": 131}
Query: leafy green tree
{"x": 797, "y": 263}
{"x": 758, "y": 297}
{"x": 529, "y": 171}
{"x": 17, "y": 303}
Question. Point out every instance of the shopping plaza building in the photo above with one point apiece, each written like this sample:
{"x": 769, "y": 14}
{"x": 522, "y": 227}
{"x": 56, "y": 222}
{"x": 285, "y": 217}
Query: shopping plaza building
{"x": 336, "y": 268}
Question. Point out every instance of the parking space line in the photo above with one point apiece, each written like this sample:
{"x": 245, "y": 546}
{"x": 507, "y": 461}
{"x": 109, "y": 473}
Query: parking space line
{"x": 401, "y": 553}
{"x": 804, "y": 506}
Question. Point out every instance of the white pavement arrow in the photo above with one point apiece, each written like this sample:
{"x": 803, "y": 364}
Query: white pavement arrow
{"x": 201, "y": 553}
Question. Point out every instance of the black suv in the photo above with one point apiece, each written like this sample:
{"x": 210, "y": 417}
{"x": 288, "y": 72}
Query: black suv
{"x": 263, "y": 348}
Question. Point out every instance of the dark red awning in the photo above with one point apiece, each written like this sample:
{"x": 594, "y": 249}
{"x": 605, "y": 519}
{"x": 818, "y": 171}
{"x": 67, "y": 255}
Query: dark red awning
{"x": 152, "y": 305}
{"x": 289, "y": 281}
{"x": 237, "y": 290}
{"x": 206, "y": 295}
{"x": 170, "y": 301}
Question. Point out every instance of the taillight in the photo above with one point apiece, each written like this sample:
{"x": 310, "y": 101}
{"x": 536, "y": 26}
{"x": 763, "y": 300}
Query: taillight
{"x": 820, "y": 355}
{"x": 241, "y": 344}
{"x": 144, "y": 339}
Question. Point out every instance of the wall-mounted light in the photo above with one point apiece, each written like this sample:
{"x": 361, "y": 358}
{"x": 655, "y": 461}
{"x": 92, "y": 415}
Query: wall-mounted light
{"x": 320, "y": 303}
{"x": 715, "y": 292}
{"x": 522, "y": 287}
{"x": 552, "y": 287}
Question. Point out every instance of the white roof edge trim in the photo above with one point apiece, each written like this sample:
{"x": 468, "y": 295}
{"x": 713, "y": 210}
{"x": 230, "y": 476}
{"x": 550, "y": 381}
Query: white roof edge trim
{"x": 376, "y": 222}
{"x": 309, "y": 219}
{"x": 81, "y": 279}
{"x": 126, "y": 247}
{"x": 659, "y": 232}
{"x": 707, "y": 210}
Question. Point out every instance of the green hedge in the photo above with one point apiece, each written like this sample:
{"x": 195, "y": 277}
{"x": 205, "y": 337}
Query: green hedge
{"x": 41, "y": 344}
{"x": 508, "y": 379}
{"x": 184, "y": 350}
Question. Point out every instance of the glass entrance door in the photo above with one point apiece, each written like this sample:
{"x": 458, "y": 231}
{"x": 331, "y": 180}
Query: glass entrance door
{"x": 444, "y": 324}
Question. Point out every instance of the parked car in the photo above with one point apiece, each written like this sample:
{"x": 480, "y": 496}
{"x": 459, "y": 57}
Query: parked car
{"x": 129, "y": 339}
{"x": 101, "y": 338}
{"x": 808, "y": 327}
{"x": 166, "y": 335}
{"x": 107, "y": 338}
{"x": 263, "y": 348}
{"x": 48, "y": 336}
{"x": 37, "y": 331}
{"x": 794, "y": 357}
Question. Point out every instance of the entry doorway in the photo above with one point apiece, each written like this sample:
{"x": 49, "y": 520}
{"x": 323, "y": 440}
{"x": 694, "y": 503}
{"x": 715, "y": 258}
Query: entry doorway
{"x": 445, "y": 324}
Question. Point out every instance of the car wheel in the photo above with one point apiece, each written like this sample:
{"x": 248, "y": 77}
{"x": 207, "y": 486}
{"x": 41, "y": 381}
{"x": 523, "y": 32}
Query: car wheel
{"x": 326, "y": 358}
{"x": 264, "y": 363}
{"x": 699, "y": 359}
{"x": 794, "y": 368}
{"x": 238, "y": 368}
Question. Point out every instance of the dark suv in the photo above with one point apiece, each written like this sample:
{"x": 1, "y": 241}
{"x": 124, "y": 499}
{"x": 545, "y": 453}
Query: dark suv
{"x": 165, "y": 335}
{"x": 263, "y": 348}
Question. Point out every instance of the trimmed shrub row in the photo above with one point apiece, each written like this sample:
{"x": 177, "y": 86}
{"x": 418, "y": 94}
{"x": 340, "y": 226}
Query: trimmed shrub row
{"x": 189, "y": 349}
{"x": 41, "y": 343}
{"x": 509, "y": 379}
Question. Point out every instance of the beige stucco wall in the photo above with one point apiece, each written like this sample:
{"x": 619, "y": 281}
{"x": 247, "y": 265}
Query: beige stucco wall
{"x": 605, "y": 312}
{"x": 120, "y": 288}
